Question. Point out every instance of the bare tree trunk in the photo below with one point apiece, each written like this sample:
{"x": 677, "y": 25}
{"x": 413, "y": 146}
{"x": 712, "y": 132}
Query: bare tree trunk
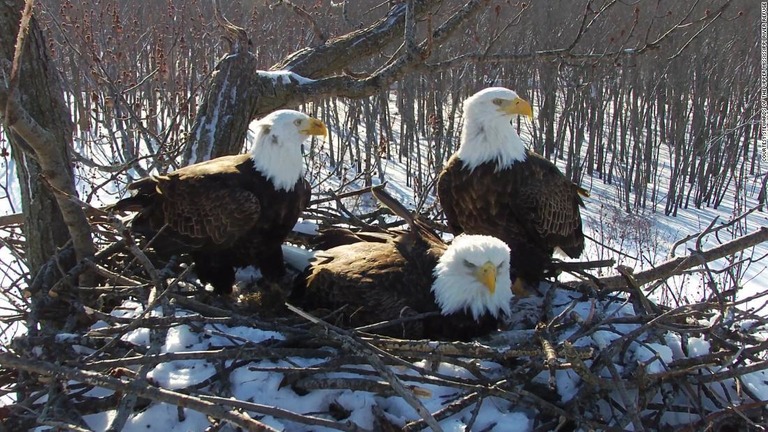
{"x": 229, "y": 105}
{"x": 44, "y": 227}
{"x": 546, "y": 115}
{"x": 39, "y": 127}
{"x": 239, "y": 93}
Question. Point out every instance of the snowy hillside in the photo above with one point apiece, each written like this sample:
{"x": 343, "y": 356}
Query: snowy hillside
{"x": 599, "y": 360}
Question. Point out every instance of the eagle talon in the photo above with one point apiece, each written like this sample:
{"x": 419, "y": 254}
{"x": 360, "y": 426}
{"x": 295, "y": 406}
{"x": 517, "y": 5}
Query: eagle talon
{"x": 520, "y": 288}
{"x": 267, "y": 298}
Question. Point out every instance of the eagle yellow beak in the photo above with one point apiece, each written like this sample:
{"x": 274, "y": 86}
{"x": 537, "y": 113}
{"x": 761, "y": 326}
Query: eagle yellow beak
{"x": 486, "y": 274}
{"x": 518, "y": 106}
{"x": 315, "y": 127}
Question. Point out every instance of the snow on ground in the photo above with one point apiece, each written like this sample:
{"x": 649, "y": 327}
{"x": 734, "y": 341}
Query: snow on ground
{"x": 644, "y": 238}
{"x": 258, "y": 382}
{"x": 255, "y": 380}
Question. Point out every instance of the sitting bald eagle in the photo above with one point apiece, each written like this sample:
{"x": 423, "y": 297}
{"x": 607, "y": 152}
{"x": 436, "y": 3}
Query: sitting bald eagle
{"x": 382, "y": 277}
{"x": 492, "y": 185}
{"x": 232, "y": 211}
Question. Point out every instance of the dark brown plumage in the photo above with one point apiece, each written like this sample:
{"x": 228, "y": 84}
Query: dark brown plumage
{"x": 494, "y": 186}
{"x": 382, "y": 278}
{"x": 230, "y": 212}
{"x": 334, "y": 236}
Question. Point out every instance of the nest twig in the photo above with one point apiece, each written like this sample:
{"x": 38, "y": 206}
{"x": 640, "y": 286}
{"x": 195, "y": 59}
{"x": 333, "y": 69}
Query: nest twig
{"x": 632, "y": 362}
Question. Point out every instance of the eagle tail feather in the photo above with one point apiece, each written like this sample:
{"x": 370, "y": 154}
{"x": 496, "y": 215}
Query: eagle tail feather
{"x": 390, "y": 202}
{"x": 416, "y": 225}
{"x": 130, "y": 204}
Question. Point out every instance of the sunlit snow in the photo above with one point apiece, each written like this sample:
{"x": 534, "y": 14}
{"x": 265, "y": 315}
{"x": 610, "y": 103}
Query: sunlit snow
{"x": 257, "y": 380}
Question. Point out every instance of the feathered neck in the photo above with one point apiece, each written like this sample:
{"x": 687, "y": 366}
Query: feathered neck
{"x": 454, "y": 287}
{"x": 280, "y": 162}
{"x": 490, "y": 138}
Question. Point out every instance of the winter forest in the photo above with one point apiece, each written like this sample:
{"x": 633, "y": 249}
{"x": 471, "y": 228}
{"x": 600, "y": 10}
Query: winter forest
{"x": 651, "y": 106}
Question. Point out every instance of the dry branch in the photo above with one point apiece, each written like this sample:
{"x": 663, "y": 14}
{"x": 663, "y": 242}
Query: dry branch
{"x": 735, "y": 335}
{"x": 517, "y": 350}
{"x": 522, "y": 353}
{"x": 41, "y": 143}
{"x": 678, "y": 265}
{"x": 141, "y": 389}
{"x": 361, "y": 348}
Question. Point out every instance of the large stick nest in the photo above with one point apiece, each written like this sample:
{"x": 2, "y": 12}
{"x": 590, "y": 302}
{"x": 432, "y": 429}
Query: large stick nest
{"x": 577, "y": 356}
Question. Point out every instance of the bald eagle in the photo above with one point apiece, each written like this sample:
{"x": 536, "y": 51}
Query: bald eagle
{"x": 377, "y": 278}
{"x": 232, "y": 211}
{"x": 492, "y": 185}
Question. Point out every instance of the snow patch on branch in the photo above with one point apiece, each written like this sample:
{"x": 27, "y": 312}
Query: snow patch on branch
{"x": 285, "y": 77}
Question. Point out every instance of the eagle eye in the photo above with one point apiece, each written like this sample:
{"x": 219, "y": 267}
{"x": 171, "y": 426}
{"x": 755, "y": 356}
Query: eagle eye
{"x": 469, "y": 264}
{"x": 498, "y": 101}
{"x": 297, "y": 122}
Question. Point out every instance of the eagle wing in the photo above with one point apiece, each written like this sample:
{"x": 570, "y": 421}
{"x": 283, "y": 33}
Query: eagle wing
{"x": 530, "y": 201}
{"x": 372, "y": 280}
{"x": 208, "y": 208}
{"x": 336, "y": 236}
{"x": 545, "y": 201}
{"x": 447, "y": 184}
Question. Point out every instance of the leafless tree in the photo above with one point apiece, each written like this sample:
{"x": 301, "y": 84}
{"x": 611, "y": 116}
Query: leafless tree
{"x": 146, "y": 89}
{"x": 168, "y": 84}
{"x": 36, "y": 120}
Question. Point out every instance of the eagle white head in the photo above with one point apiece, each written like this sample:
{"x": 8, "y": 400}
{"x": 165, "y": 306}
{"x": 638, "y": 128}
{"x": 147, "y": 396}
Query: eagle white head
{"x": 488, "y": 134}
{"x": 276, "y": 145}
{"x": 473, "y": 275}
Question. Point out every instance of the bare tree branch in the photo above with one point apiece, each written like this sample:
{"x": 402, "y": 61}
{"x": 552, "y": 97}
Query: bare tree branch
{"x": 306, "y": 16}
{"x": 338, "y": 53}
{"x": 680, "y": 264}
{"x": 140, "y": 388}
{"x": 359, "y": 347}
{"x": 44, "y": 143}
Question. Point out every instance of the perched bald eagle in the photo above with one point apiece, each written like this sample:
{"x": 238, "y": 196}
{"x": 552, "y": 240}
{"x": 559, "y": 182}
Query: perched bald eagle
{"x": 492, "y": 185}
{"x": 232, "y": 211}
{"x": 381, "y": 278}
